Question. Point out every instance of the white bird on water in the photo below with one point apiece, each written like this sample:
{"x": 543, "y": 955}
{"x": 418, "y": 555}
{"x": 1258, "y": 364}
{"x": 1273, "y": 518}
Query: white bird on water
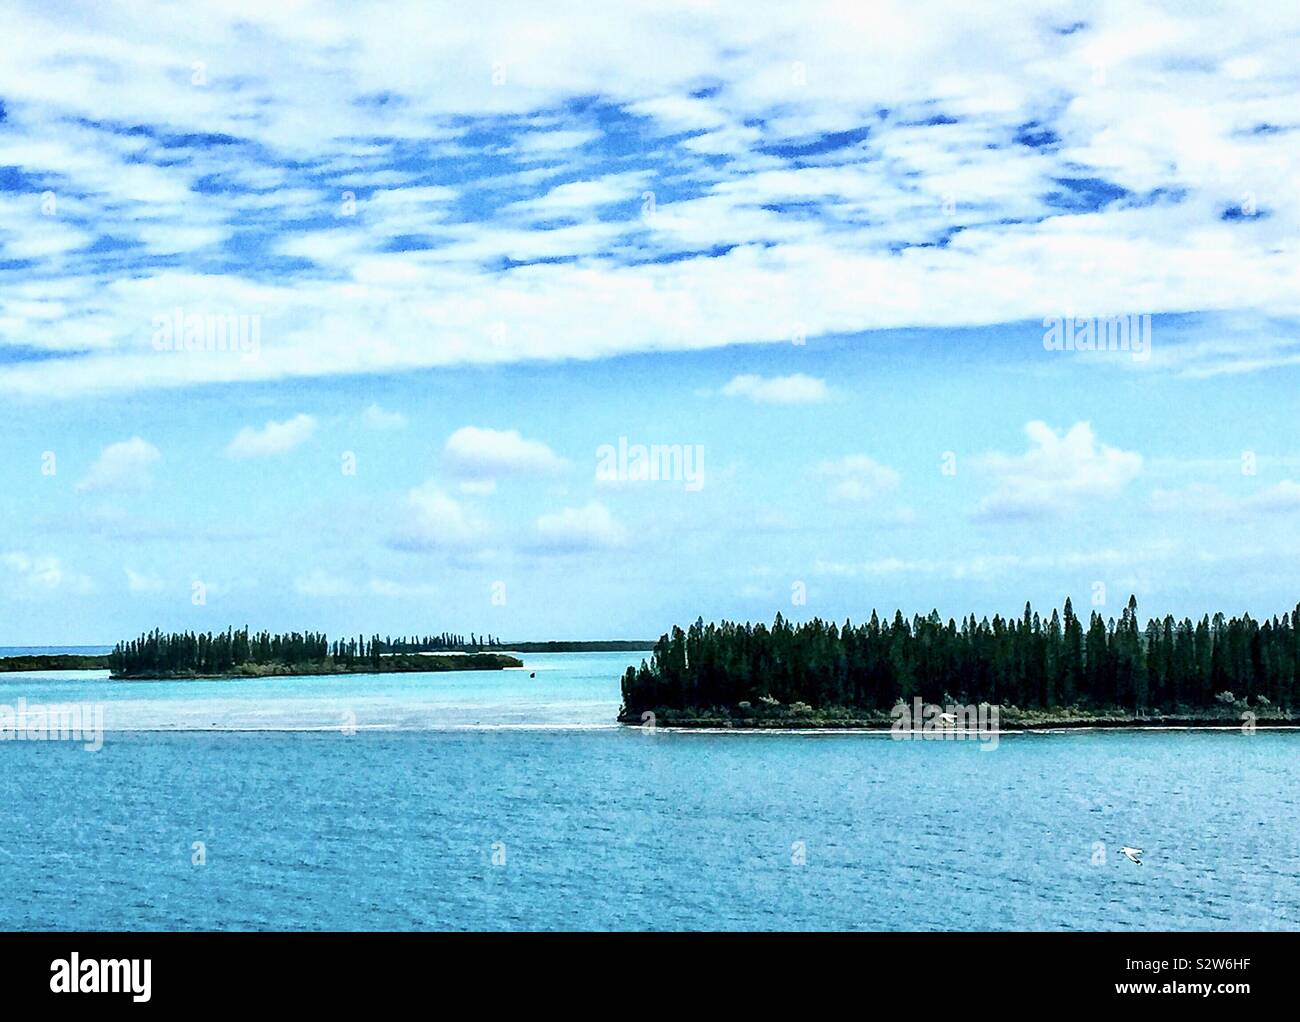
{"x": 1132, "y": 854}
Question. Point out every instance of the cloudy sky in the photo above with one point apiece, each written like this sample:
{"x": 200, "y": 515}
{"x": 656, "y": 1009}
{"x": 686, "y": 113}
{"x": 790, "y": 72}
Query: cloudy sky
{"x": 459, "y": 251}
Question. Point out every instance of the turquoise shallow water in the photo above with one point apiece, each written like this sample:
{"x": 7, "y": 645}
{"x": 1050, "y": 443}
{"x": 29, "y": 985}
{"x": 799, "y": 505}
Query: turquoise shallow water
{"x": 396, "y": 825}
{"x": 568, "y": 690}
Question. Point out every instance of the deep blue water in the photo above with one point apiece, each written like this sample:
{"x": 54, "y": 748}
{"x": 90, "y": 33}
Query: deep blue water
{"x": 394, "y": 827}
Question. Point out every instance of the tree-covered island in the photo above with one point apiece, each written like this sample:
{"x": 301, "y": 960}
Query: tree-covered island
{"x": 1058, "y": 672}
{"x": 237, "y": 653}
{"x": 54, "y": 662}
{"x": 240, "y": 654}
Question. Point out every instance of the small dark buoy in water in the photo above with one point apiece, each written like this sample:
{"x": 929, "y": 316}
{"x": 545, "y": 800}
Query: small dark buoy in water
{"x": 533, "y": 675}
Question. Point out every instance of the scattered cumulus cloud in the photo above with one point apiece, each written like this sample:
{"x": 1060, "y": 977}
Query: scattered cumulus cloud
{"x": 1059, "y": 472}
{"x": 497, "y": 226}
{"x": 475, "y": 452}
{"x": 578, "y": 530}
{"x": 797, "y": 389}
{"x": 273, "y": 438}
{"x": 143, "y": 582}
{"x": 381, "y": 420}
{"x": 435, "y": 520}
{"x": 575, "y": 196}
{"x": 124, "y": 466}
{"x": 31, "y": 576}
{"x": 857, "y": 479}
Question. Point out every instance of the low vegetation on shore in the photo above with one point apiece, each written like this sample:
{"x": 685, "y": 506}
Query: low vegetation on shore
{"x": 582, "y": 646}
{"x": 55, "y": 662}
{"x": 1056, "y": 672}
{"x": 775, "y": 716}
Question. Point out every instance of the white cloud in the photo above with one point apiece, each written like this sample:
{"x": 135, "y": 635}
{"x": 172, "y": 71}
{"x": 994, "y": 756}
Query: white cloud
{"x": 273, "y": 438}
{"x": 1200, "y": 498}
{"x": 378, "y": 419}
{"x": 911, "y": 199}
{"x": 33, "y": 576}
{"x": 581, "y": 196}
{"x": 1058, "y": 472}
{"x": 547, "y": 143}
{"x": 797, "y": 389}
{"x": 138, "y": 582}
{"x": 437, "y": 521}
{"x": 579, "y": 529}
{"x": 121, "y": 466}
{"x": 486, "y": 453}
{"x": 857, "y": 479}
{"x": 43, "y": 239}
{"x": 222, "y": 587}
{"x": 169, "y": 239}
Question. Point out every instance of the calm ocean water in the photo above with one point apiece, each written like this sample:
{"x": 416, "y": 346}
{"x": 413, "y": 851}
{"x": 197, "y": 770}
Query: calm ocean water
{"x": 397, "y": 825}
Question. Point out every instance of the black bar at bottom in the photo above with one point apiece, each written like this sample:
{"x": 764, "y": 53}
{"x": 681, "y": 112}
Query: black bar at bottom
{"x": 488, "y": 971}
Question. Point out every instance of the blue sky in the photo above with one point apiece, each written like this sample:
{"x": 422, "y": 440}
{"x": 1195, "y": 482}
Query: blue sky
{"x": 822, "y": 251}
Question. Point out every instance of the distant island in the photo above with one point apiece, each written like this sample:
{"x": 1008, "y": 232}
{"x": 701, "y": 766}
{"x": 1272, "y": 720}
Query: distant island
{"x": 582, "y": 646}
{"x": 240, "y": 654}
{"x": 454, "y": 642}
{"x": 1053, "y": 673}
{"x": 55, "y": 662}
{"x": 237, "y": 653}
